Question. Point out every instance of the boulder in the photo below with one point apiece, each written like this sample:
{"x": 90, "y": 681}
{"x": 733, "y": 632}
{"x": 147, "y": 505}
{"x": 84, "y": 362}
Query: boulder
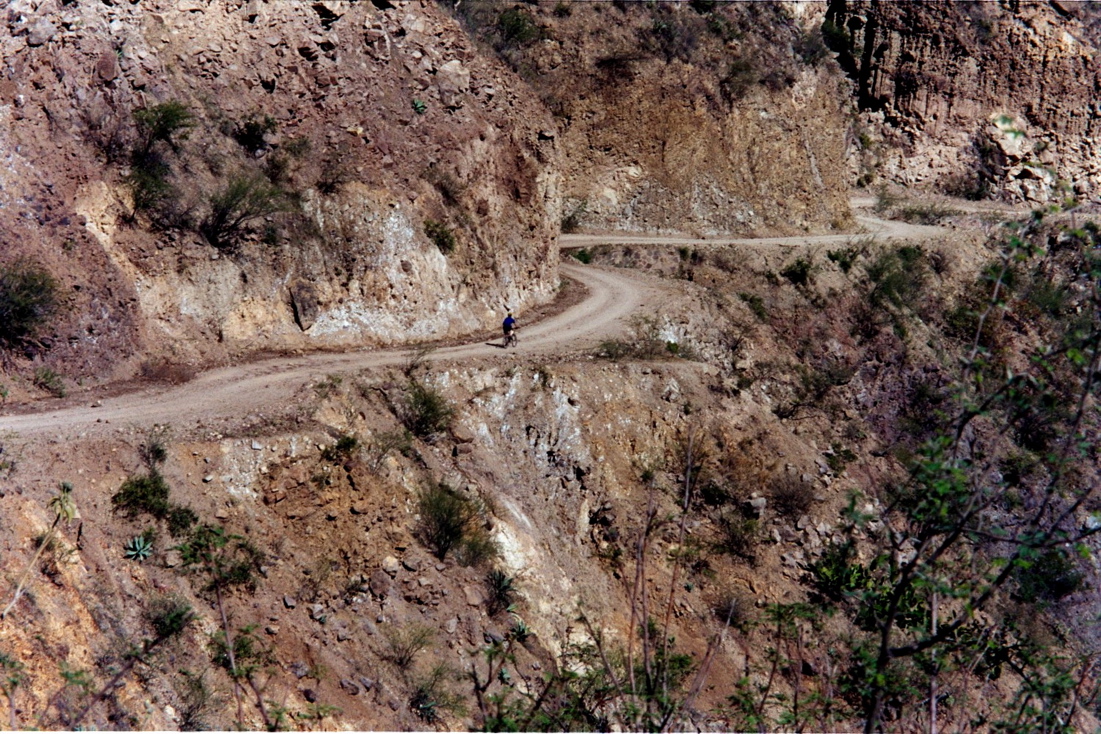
{"x": 41, "y": 32}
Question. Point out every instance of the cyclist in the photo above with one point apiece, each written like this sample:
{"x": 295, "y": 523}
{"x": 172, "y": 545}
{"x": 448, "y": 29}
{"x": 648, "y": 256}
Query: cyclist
{"x": 509, "y": 327}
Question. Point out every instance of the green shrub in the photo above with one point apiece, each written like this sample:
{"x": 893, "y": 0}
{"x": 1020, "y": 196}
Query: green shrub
{"x": 149, "y": 494}
{"x": 897, "y": 277}
{"x": 835, "y": 573}
{"x": 180, "y": 520}
{"x": 143, "y": 494}
{"x": 839, "y": 457}
{"x": 342, "y": 449}
{"x": 844, "y": 258}
{"x": 28, "y": 298}
{"x": 450, "y": 521}
{"x": 799, "y": 272}
{"x": 250, "y": 132}
{"x": 583, "y": 256}
{"x": 227, "y": 560}
{"x": 502, "y": 590}
{"x": 737, "y": 534}
{"x": 149, "y": 186}
{"x": 169, "y": 616}
{"x": 46, "y": 379}
{"x": 167, "y": 122}
{"x": 426, "y": 410}
{"x": 243, "y": 200}
{"x": 430, "y": 696}
{"x": 419, "y": 106}
{"x": 756, "y": 305}
{"x": 477, "y": 549}
{"x": 440, "y": 234}
{"x": 516, "y": 27}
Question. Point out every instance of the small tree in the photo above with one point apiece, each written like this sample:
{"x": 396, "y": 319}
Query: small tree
{"x": 951, "y": 551}
{"x": 64, "y": 509}
{"x": 12, "y": 675}
{"x": 226, "y": 562}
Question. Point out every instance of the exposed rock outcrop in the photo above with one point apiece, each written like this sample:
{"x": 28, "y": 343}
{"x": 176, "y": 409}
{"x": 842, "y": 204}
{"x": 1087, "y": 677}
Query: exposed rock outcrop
{"x": 373, "y": 121}
{"x": 703, "y": 117}
{"x": 978, "y": 98}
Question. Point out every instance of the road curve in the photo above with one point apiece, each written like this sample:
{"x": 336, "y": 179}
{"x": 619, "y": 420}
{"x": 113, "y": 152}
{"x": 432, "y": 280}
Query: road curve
{"x": 239, "y": 389}
{"x": 612, "y": 295}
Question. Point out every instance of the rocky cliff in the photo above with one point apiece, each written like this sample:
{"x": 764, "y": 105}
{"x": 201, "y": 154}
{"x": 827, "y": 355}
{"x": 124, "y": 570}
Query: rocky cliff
{"x": 368, "y": 123}
{"x": 698, "y": 117}
{"x": 395, "y": 180}
{"x": 976, "y": 98}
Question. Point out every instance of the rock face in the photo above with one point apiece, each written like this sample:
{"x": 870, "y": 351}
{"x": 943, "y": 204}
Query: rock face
{"x": 347, "y": 260}
{"x": 678, "y": 117}
{"x": 978, "y": 98}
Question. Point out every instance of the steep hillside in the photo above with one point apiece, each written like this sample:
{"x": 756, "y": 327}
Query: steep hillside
{"x": 207, "y": 180}
{"x": 696, "y": 117}
{"x": 721, "y": 501}
{"x": 976, "y": 98}
{"x": 401, "y": 184}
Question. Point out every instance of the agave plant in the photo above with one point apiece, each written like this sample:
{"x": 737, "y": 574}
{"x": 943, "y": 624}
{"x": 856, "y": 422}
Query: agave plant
{"x": 139, "y": 548}
{"x": 419, "y": 107}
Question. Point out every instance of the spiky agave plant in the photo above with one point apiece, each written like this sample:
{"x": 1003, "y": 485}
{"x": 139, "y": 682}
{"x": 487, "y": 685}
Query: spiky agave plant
{"x": 138, "y": 549}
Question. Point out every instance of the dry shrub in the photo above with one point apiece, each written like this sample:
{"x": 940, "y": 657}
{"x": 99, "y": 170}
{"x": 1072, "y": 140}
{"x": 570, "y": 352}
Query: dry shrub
{"x": 791, "y": 496}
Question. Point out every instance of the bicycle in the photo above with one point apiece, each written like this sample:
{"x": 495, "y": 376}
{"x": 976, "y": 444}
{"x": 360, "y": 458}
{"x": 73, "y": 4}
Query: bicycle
{"x": 511, "y": 339}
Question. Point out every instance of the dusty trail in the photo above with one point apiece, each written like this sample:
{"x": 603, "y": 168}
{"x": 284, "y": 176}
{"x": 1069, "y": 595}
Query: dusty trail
{"x": 879, "y": 228}
{"x": 612, "y": 295}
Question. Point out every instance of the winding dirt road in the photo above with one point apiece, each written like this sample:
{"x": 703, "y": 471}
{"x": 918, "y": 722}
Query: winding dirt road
{"x": 611, "y": 296}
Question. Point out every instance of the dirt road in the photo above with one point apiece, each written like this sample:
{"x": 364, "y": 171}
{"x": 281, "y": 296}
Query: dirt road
{"x": 611, "y": 296}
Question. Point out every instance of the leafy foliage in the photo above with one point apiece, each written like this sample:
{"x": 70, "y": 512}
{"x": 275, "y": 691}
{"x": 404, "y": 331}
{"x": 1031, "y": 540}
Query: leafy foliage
{"x": 146, "y": 494}
{"x": 227, "y": 560}
{"x": 516, "y": 27}
{"x": 28, "y": 298}
{"x": 250, "y": 132}
{"x": 344, "y": 447}
{"x": 441, "y": 235}
{"x": 167, "y": 122}
{"x": 799, "y": 271}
